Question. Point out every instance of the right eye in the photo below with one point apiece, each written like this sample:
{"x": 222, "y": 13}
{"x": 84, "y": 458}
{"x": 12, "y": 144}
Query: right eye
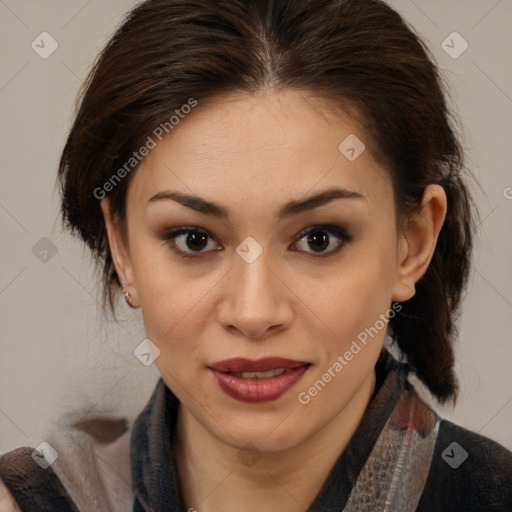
{"x": 181, "y": 239}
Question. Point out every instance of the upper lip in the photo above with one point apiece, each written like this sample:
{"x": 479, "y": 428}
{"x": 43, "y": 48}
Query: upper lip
{"x": 240, "y": 364}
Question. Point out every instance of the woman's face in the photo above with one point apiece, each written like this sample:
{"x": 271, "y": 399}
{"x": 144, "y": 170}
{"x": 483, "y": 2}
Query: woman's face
{"x": 263, "y": 281}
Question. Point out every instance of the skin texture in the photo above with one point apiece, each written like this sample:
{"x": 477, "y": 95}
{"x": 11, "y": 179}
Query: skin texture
{"x": 252, "y": 154}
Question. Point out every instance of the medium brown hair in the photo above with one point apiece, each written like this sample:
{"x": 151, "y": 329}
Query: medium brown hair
{"x": 356, "y": 52}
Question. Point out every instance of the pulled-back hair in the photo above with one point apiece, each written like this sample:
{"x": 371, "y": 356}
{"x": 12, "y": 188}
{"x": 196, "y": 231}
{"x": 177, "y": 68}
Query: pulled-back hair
{"x": 354, "y": 52}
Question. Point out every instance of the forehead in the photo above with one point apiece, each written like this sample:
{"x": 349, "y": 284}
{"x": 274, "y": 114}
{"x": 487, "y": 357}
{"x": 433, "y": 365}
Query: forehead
{"x": 242, "y": 148}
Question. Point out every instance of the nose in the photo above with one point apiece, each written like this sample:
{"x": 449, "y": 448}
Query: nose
{"x": 255, "y": 302}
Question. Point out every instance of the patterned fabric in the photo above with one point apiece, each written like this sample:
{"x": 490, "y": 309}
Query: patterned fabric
{"x": 34, "y": 488}
{"x": 400, "y": 460}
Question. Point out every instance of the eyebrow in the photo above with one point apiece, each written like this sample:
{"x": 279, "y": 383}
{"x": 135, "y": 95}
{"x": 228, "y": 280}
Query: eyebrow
{"x": 287, "y": 210}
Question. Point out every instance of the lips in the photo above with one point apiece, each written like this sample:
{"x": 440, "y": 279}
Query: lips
{"x": 239, "y": 364}
{"x": 262, "y": 380}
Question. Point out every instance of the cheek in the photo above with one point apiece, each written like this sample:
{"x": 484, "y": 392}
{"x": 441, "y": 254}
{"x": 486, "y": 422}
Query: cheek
{"x": 174, "y": 316}
{"x": 355, "y": 296}
{"x": 170, "y": 298}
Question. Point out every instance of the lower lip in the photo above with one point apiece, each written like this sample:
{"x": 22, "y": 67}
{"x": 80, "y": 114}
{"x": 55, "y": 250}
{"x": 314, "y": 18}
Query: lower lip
{"x": 258, "y": 390}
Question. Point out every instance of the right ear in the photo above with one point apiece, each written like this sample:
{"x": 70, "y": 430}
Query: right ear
{"x": 120, "y": 252}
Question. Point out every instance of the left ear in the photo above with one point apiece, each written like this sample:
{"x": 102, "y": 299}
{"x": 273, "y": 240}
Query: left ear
{"x": 417, "y": 244}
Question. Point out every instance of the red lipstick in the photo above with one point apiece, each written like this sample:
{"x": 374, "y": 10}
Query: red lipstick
{"x": 262, "y": 380}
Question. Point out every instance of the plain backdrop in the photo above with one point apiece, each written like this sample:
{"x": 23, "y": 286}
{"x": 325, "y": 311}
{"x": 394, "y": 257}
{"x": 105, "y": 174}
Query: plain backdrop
{"x": 56, "y": 354}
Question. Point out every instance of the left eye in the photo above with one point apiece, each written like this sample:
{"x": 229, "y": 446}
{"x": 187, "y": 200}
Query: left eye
{"x": 193, "y": 240}
{"x": 320, "y": 237}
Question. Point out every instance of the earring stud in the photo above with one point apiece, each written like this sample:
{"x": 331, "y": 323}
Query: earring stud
{"x": 127, "y": 296}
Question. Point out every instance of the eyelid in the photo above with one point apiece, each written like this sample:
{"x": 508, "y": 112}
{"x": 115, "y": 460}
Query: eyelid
{"x": 339, "y": 232}
{"x": 328, "y": 228}
{"x": 169, "y": 235}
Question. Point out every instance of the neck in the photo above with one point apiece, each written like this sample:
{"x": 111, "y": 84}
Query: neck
{"x": 212, "y": 476}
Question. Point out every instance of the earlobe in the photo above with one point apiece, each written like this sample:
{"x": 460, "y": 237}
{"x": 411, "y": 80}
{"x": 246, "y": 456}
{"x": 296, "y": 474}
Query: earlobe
{"x": 404, "y": 288}
{"x": 418, "y": 243}
{"x": 120, "y": 255}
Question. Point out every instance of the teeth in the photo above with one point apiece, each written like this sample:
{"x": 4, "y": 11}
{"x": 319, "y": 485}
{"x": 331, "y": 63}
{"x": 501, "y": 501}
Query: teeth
{"x": 259, "y": 375}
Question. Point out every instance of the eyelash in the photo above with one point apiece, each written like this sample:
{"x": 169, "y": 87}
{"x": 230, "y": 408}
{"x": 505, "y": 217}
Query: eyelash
{"x": 339, "y": 232}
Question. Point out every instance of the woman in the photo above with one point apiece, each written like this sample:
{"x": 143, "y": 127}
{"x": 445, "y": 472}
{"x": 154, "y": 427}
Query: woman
{"x": 278, "y": 187}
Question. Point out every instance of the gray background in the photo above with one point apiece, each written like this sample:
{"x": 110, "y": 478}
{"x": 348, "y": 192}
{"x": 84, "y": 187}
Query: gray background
{"x": 58, "y": 357}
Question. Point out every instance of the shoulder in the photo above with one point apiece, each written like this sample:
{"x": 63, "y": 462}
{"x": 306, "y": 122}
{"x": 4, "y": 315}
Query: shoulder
{"x": 31, "y": 484}
{"x": 468, "y": 472}
{"x": 84, "y": 466}
{"x": 7, "y": 502}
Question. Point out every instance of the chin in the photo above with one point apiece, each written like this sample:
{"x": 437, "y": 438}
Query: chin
{"x": 268, "y": 434}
